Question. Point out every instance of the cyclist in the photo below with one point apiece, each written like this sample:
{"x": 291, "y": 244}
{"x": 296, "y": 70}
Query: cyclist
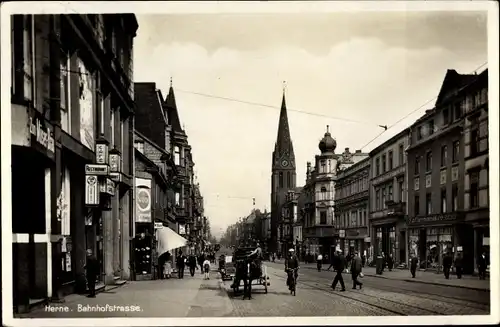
{"x": 291, "y": 262}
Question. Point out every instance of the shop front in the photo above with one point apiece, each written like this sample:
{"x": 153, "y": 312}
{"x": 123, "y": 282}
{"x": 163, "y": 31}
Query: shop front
{"x": 355, "y": 240}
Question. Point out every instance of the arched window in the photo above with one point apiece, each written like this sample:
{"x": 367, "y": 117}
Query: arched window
{"x": 288, "y": 180}
{"x": 281, "y": 179}
{"x": 177, "y": 155}
{"x": 323, "y": 193}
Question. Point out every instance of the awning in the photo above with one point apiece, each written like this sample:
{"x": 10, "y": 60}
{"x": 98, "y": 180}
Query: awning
{"x": 168, "y": 240}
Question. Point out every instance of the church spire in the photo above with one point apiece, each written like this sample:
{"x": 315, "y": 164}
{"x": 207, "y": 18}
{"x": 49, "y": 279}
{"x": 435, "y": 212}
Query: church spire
{"x": 283, "y": 140}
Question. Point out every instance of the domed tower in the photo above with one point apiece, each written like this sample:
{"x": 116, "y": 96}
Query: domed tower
{"x": 327, "y": 144}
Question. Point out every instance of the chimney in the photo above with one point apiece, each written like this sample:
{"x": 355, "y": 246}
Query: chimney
{"x": 358, "y": 151}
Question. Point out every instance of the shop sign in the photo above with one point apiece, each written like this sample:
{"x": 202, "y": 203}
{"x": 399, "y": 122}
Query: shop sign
{"x": 101, "y": 154}
{"x": 97, "y": 169}
{"x": 459, "y": 248}
{"x": 108, "y": 187}
{"x": 433, "y": 218}
{"x": 342, "y": 233}
{"x": 182, "y": 229}
{"x": 117, "y": 177}
{"x": 91, "y": 190}
{"x": 158, "y": 225}
{"x": 143, "y": 202}
{"x": 43, "y": 136}
{"x": 114, "y": 162}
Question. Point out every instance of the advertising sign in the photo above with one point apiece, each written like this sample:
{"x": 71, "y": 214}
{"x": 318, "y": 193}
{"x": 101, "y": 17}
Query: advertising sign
{"x": 91, "y": 190}
{"x": 114, "y": 162}
{"x": 182, "y": 229}
{"x": 43, "y": 135}
{"x": 101, "y": 154}
{"x": 98, "y": 170}
{"x": 158, "y": 225}
{"x": 143, "y": 200}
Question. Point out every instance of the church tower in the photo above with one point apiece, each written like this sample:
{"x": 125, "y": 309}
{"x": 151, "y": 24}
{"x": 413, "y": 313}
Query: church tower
{"x": 283, "y": 176}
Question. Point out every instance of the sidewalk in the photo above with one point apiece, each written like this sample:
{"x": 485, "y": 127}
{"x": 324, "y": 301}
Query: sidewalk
{"x": 425, "y": 277}
{"x": 188, "y": 297}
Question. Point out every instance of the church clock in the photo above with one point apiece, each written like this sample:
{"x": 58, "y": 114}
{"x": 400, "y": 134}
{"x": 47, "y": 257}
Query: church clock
{"x": 284, "y": 163}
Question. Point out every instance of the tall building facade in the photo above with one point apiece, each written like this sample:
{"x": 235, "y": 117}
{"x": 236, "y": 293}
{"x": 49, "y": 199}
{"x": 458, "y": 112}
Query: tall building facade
{"x": 72, "y": 151}
{"x": 318, "y": 229}
{"x": 447, "y": 201}
{"x": 283, "y": 177}
{"x": 388, "y": 193}
{"x": 352, "y": 208}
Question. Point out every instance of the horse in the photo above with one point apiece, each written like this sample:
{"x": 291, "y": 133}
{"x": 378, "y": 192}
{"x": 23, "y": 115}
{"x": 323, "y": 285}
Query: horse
{"x": 247, "y": 271}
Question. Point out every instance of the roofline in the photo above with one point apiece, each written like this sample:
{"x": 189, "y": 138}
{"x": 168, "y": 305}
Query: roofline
{"x": 151, "y": 142}
{"x": 356, "y": 165}
{"x": 391, "y": 140}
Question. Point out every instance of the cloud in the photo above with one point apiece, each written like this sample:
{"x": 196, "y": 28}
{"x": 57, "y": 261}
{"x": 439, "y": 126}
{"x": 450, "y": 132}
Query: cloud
{"x": 361, "y": 79}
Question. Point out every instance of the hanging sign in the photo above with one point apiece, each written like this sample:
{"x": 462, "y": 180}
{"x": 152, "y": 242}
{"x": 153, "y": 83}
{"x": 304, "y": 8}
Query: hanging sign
{"x": 114, "y": 162}
{"x": 91, "y": 190}
{"x": 158, "y": 225}
{"x": 117, "y": 177}
{"x": 97, "y": 169}
{"x": 107, "y": 186}
{"x": 101, "y": 154}
{"x": 143, "y": 201}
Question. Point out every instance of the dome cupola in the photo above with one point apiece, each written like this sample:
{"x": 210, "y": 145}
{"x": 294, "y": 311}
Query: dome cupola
{"x": 327, "y": 143}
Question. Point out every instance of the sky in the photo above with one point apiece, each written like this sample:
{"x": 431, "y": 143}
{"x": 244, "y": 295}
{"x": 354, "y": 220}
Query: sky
{"x": 351, "y": 71}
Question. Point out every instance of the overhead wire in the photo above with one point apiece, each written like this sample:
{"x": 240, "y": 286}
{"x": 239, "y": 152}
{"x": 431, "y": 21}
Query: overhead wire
{"x": 413, "y": 111}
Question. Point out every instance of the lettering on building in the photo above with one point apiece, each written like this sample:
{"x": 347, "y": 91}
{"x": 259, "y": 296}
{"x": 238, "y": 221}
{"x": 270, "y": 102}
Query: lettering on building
{"x": 43, "y": 136}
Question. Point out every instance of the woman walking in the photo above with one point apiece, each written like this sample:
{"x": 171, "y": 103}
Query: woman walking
{"x": 206, "y": 268}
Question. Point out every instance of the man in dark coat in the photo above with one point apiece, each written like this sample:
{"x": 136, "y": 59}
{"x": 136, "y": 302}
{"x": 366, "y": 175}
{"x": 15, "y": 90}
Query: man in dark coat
{"x": 447, "y": 263}
{"x": 339, "y": 265}
{"x": 481, "y": 266}
{"x": 201, "y": 259}
{"x": 192, "y": 264}
{"x": 181, "y": 262}
{"x": 459, "y": 265}
{"x": 356, "y": 267}
{"x": 92, "y": 271}
{"x": 413, "y": 265}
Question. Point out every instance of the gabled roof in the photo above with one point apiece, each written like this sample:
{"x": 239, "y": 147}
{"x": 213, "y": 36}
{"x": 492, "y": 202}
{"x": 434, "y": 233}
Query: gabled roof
{"x": 172, "y": 112}
{"x": 453, "y": 81}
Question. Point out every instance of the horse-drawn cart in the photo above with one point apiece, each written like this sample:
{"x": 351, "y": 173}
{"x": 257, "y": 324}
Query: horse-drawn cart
{"x": 251, "y": 272}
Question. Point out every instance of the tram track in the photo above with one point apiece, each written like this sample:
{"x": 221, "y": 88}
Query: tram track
{"x": 379, "y": 302}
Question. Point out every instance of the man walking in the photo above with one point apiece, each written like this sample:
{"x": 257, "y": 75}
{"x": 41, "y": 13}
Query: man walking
{"x": 481, "y": 266}
{"x": 339, "y": 266}
{"x": 458, "y": 265}
{"x": 356, "y": 267}
{"x": 192, "y": 264}
{"x": 92, "y": 270}
{"x": 413, "y": 265}
{"x": 319, "y": 261}
{"x": 181, "y": 263}
{"x": 447, "y": 263}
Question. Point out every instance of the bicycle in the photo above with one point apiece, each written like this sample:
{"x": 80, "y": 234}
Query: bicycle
{"x": 293, "y": 281}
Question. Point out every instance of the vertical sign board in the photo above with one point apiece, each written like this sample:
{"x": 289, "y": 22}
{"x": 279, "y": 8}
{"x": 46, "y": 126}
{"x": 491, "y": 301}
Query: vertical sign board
{"x": 91, "y": 190}
{"x": 143, "y": 200}
{"x": 182, "y": 229}
{"x": 101, "y": 154}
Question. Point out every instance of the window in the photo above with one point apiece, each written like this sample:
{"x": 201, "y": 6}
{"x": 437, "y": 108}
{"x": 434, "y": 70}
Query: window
{"x": 446, "y": 116}
{"x": 389, "y": 193}
{"x": 64, "y": 67}
{"x": 354, "y": 218}
{"x": 401, "y": 155}
{"x": 323, "y": 193}
{"x": 322, "y": 218}
{"x": 474, "y": 141}
{"x": 428, "y": 161}
{"x": 428, "y": 203}
{"x": 377, "y": 199}
{"x": 281, "y": 179}
{"x": 456, "y": 150}
{"x": 401, "y": 190}
{"x": 458, "y": 111}
{"x": 419, "y": 133}
{"x": 416, "y": 205}
{"x": 444, "y": 155}
{"x": 390, "y": 161}
{"x": 474, "y": 189}
{"x": 177, "y": 198}
{"x": 28, "y": 56}
{"x": 377, "y": 166}
{"x": 288, "y": 180}
{"x": 417, "y": 165}
{"x": 383, "y": 197}
{"x": 177, "y": 156}
{"x": 443, "y": 200}
{"x": 454, "y": 195}
{"x": 139, "y": 145}
{"x": 383, "y": 164}
{"x": 112, "y": 128}
{"x": 431, "y": 127}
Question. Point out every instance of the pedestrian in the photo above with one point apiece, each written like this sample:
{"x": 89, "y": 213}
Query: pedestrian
{"x": 384, "y": 261}
{"x": 390, "y": 262}
{"x": 481, "y": 266}
{"x": 363, "y": 260}
{"x": 319, "y": 261}
{"x": 192, "y": 264}
{"x": 206, "y": 268}
{"x": 201, "y": 259}
{"x": 339, "y": 267}
{"x": 92, "y": 271}
{"x": 413, "y": 265}
{"x": 274, "y": 256}
{"x": 447, "y": 263}
{"x": 356, "y": 268}
{"x": 181, "y": 263}
{"x": 167, "y": 268}
{"x": 458, "y": 265}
